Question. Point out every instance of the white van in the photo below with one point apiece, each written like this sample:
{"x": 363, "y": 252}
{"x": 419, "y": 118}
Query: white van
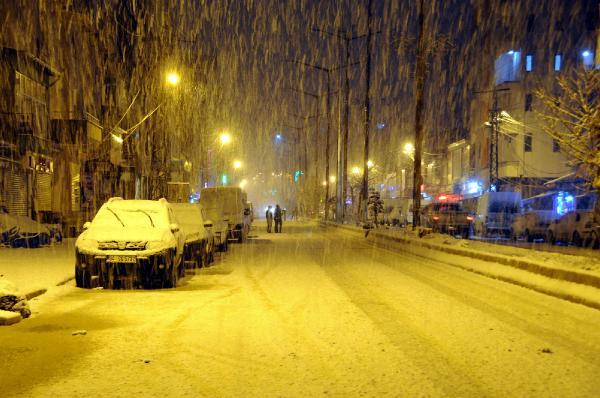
{"x": 233, "y": 202}
{"x": 496, "y": 212}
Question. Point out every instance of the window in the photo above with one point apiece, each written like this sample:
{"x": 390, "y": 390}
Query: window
{"x": 529, "y": 63}
{"x": 528, "y": 143}
{"x": 557, "y": 62}
{"x": 528, "y": 102}
{"x": 555, "y": 145}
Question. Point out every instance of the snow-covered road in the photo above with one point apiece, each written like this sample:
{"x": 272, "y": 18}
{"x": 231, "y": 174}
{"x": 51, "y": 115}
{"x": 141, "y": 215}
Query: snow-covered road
{"x": 306, "y": 313}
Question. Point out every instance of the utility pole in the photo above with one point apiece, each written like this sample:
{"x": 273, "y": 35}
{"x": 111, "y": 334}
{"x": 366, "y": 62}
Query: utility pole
{"x": 420, "y": 80}
{"x": 365, "y": 176}
{"x": 327, "y": 141}
{"x": 494, "y": 125}
{"x": 342, "y": 175}
{"x": 317, "y": 97}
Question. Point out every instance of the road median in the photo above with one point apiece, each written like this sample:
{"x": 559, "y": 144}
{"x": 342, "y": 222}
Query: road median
{"x": 551, "y": 273}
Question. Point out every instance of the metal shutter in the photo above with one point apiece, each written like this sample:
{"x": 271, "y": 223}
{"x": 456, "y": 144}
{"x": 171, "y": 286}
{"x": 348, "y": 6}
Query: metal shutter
{"x": 43, "y": 191}
{"x": 17, "y": 193}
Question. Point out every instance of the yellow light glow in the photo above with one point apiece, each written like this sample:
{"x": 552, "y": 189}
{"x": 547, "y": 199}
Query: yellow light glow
{"x": 409, "y": 148}
{"x": 370, "y": 164}
{"x": 356, "y": 170}
{"x": 332, "y": 179}
{"x": 225, "y": 138}
{"x": 173, "y": 78}
{"x": 117, "y": 138}
{"x": 324, "y": 183}
{"x": 237, "y": 164}
{"x": 243, "y": 183}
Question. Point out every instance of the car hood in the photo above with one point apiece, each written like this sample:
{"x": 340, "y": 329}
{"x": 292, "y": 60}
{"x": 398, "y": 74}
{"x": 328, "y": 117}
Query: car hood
{"x": 102, "y": 234}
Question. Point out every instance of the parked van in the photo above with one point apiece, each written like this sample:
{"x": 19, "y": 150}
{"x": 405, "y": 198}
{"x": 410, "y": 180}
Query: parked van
{"x": 496, "y": 212}
{"x": 233, "y": 201}
{"x": 537, "y": 214}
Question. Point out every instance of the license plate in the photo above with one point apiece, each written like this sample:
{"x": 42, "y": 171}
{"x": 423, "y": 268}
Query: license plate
{"x": 121, "y": 259}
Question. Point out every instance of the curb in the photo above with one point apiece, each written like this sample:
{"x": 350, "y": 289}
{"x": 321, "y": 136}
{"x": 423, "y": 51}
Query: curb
{"x": 38, "y": 292}
{"x": 588, "y": 280}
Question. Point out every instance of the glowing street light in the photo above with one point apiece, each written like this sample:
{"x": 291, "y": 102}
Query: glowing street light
{"x": 332, "y": 179}
{"x": 243, "y": 183}
{"x": 225, "y": 138}
{"x": 173, "y": 78}
{"x": 370, "y": 164}
{"x": 409, "y": 150}
{"x": 356, "y": 170}
{"x": 237, "y": 164}
{"x": 324, "y": 183}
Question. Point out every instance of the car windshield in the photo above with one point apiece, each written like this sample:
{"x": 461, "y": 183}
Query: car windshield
{"x": 129, "y": 217}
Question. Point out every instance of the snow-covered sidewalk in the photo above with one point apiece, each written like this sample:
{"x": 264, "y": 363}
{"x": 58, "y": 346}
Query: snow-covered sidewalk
{"x": 32, "y": 270}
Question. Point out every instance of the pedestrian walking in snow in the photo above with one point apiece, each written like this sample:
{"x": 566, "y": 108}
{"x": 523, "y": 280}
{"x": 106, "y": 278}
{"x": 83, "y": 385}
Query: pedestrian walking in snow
{"x": 278, "y": 219}
{"x": 269, "y": 217}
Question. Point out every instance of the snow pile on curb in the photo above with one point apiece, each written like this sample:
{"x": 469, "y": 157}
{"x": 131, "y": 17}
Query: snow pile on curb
{"x": 560, "y": 276}
{"x": 12, "y": 302}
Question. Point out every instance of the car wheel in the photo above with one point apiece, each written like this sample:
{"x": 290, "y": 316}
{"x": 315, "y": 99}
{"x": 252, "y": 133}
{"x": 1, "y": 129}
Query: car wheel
{"x": 576, "y": 241}
{"x": 82, "y": 278}
{"x": 595, "y": 244}
{"x": 550, "y": 238}
{"x": 171, "y": 272}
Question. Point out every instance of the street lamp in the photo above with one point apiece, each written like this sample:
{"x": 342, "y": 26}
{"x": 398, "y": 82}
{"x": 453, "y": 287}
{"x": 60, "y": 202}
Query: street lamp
{"x": 356, "y": 170}
{"x": 237, "y": 164}
{"x": 409, "y": 150}
{"x": 173, "y": 78}
{"x": 243, "y": 183}
{"x": 332, "y": 179}
{"x": 370, "y": 164}
{"x": 225, "y": 138}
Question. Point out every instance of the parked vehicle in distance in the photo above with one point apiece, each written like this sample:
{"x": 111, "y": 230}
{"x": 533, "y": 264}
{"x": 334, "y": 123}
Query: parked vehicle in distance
{"x": 575, "y": 227}
{"x": 199, "y": 248}
{"x": 250, "y": 211}
{"x": 397, "y": 211}
{"x": 594, "y": 239}
{"x": 537, "y": 214}
{"x": 233, "y": 201}
{"x": 447, "y": 218}
{"x": 22, "y": 231}
{"x": 214, "y": 221}
{"x": 130, "y": 244}
{"x": 529, "y": 226}
{"x": 496, "y": 212}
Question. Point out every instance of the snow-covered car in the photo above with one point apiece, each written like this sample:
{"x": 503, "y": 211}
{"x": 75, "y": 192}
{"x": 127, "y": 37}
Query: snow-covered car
{"x": 130, "y": 244}
{"x": 529, "y": 226}
{"x": 199, "y": 241}
{"x": 574, "y": 227}
{"x": 22, "y": 231}
{"x": 214, "y": 221}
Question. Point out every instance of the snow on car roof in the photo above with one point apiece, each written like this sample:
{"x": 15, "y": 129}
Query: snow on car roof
{"x": 189, "y": 218}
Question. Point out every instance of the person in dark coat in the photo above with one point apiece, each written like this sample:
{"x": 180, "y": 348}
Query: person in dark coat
{"x": 278, "y": 217}
{"x": 269, "y": 217}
